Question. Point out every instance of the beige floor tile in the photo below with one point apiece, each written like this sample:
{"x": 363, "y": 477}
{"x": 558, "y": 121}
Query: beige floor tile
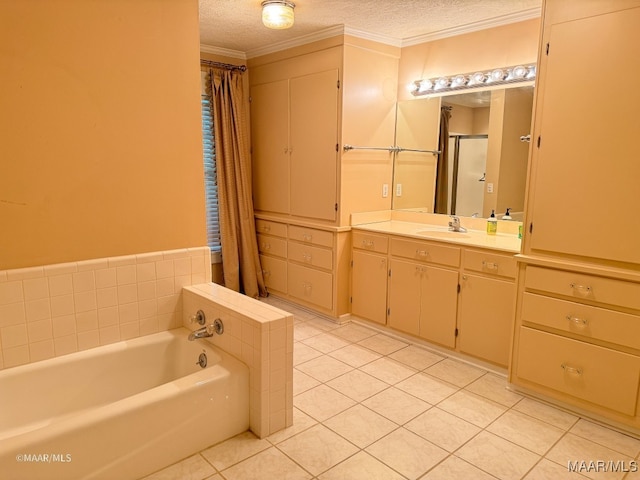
{"x": 453, "y": 371}
{"x": 383, "y": 344}
{"x": 388, "y": 370}
{"x": 355, "y": 355}
{"x": 303, "y": 331}
{"x": 324, "y": 368}
{"x": 234, "y": 450}
{"x": 443, "y": 429}
{"x": 407, "y": 453}
{"x": 301, "y": 421}
{"x": 613, "y": 439}
{"x": 322, "y": 402}
{"x": 576, "y": 450}
{"x": 357, "y": 385}
{"x": 454, "y": 468}
{"x": 303, "y": 353}
{"x": 546, "y": 413}
{"x": 416, "y": 357}
{"x": 192, "y": 468}
{"x": 396, "y": 405}
{"x": 494, "y": 387}
{"x": 325, "y": 342}
{"x": 302, "y": 382}
{"x": 361, "y": 466}
{"x": 526, "y": 431}
{"x": 270, "y": 463}
{"x": 353, "y": 332}
{"x": 425, "y": 387}
{"x": 317, "y": 449}
{"x": 360, "y": 425}
{"x": 497, "y": 456}
{"x": 323, "y": 324}
{"x": 547, "y": 470}
{"x": 473, "y": 408}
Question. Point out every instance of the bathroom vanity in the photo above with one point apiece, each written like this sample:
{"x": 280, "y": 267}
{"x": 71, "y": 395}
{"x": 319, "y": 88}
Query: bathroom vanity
{"x": 453, "y": 289}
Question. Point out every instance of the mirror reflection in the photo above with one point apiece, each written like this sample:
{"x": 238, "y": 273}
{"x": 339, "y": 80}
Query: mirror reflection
{"x": 484, "y": 158}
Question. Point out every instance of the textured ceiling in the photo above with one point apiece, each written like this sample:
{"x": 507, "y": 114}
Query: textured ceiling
{"x": 235, "y": 25}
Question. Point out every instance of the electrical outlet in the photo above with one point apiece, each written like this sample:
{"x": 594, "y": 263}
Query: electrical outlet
{"x": 398, "y": 190}
{"x": 385, "y": 190}
{"x": 489, "y": 187}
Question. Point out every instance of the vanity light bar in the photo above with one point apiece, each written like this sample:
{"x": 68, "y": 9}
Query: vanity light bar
{"x": 497, "y": 76}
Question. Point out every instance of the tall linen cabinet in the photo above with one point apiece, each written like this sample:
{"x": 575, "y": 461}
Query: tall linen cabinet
{"x": 307, "y": 102}
{"x": 577, "y": 330}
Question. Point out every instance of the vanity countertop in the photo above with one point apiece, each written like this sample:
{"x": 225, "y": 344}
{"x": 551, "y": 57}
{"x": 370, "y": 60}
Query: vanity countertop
{"x": 470, "y": 238}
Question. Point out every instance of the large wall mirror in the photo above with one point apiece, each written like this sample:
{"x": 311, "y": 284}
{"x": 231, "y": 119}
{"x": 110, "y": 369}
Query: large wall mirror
{"x": 486, "y": 153}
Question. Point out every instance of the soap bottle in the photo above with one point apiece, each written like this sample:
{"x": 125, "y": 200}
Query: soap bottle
{"x": 492, "y": 224}
{"x": 507, "y": 215}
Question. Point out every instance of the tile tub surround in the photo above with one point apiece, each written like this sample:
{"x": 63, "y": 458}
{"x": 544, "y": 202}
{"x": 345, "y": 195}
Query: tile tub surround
{"x": 52, "y": 310}
{"x": 261, "y": 336}
{"x": 369, "y": 405}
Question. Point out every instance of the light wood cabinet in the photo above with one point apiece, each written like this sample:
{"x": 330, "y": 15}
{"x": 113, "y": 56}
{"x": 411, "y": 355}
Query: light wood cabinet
{"x": 369, "y": 267}
{"x": 578, "y": 294}
{"x": 295, "y": 158}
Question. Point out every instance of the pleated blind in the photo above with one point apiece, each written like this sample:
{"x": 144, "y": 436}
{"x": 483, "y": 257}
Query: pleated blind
{"x": 210, "y": 180}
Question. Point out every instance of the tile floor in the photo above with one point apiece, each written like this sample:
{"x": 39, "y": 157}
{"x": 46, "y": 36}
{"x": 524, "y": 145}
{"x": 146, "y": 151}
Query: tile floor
{"x": 370, "y": 406}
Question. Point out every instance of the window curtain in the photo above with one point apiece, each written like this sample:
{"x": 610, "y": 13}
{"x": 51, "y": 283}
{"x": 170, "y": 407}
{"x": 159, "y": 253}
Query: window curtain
{"x": 442, "y": 170}
{"x": 240, "y": 259}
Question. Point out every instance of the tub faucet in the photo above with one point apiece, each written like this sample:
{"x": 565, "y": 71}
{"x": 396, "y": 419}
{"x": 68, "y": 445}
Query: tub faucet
{"x": 208, "y": 331}
{"x": 454, "y": 225}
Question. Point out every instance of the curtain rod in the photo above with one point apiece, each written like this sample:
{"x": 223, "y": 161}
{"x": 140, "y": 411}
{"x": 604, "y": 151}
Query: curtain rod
{"x": 228, "y": 66}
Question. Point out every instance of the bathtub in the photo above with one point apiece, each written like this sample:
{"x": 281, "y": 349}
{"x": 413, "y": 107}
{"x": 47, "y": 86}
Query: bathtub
{"x": 119, "y": 411}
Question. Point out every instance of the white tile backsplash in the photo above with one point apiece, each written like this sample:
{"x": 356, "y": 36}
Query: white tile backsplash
{"x": 53, "y": 310}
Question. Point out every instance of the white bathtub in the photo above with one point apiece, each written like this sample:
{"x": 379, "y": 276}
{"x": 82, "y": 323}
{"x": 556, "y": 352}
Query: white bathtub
{"x": 119, "y": 411}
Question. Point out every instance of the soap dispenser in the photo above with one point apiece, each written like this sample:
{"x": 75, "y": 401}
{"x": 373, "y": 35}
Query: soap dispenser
{"x": 507, "y": 215}
{"x": 492, "y": 224}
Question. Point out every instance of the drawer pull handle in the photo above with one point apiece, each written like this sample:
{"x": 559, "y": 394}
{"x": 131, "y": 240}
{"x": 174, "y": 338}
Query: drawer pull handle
{"x": 266, "y": 246}
{"x": 490, "y": 265}
{"x": 420, "y": 269}
{"x": 266, "y": 273}
{"x": 367, "y": 243}
{"x": 306, "y": 257}
{"x": 581, "y": 289}
{"x": 306, "y": 287}
{"x": 571, "y": 370}
{"x": 580, "y": 322}
{"x": 422, "y": 253}
{"x": 307, "y": 237}
{"x": 266, "y": 228}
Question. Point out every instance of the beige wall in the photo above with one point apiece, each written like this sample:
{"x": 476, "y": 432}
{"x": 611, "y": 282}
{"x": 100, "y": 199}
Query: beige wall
{"x": 101, "y": 151}
{"x": 503, "y": 46}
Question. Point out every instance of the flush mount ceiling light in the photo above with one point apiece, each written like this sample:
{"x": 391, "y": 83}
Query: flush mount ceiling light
{"x": 277, "y": 14}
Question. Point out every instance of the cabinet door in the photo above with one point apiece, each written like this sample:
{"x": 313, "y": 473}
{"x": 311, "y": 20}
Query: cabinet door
{"x": 438, "y": 305}
{"x": 404, "y": 296}
{"x": 486, "y": 315}
{"x": 587, "y": 171}
{"x": 314, "y": 139}
{"x": 369, "y": 286}
{"x": 270, "y": 146}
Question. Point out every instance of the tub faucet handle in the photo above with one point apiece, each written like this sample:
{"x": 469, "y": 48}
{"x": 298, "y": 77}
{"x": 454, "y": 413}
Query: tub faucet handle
{"x": 198, "y": 318}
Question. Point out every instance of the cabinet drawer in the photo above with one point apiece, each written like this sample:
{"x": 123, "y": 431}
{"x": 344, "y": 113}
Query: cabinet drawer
{"x": 584, "y": 287}
{"x": 426, "y": 252}
{"x": 373, "y": 243}
{"x": 272, "y": 245}
{"x": 595, "y": 374}
{"x": 492, "y": 263}
{"x": 314, "y": 256}
{"x": 274, "y": 271}
{"x": 311, "y": 235}
{"x": 272, "y": 228}
{"x": 310, "y": 285}
{"x": 591, "y": 322}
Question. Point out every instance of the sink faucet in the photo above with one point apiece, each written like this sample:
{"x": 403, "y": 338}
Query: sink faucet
{"x": 454, "y": 225}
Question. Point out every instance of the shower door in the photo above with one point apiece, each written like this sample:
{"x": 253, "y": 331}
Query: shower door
{"x": 467, "y": 167}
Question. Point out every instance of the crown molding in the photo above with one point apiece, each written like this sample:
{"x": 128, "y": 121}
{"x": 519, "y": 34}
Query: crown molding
{"x": 296, "y": 42}
{"x": 394, "y": 42}
{"x": 226, "y": 52}
{"x": 528, "y": 14}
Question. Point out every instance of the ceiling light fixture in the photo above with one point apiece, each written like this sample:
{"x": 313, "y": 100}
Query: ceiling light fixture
{"x": 277, "y": 14}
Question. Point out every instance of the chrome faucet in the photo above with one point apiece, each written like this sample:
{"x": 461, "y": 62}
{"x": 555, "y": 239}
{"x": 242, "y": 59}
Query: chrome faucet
{"x": 208, "y": 331}
{"x": 454, "y": 225}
